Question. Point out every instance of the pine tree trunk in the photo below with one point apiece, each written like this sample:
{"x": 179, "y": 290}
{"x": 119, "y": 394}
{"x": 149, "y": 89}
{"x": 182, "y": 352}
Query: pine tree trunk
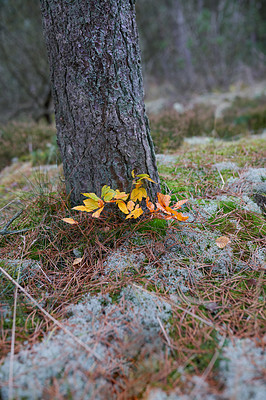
{"x": 95, "y": 66}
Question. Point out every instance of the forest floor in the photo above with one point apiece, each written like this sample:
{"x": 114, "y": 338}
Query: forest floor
{"x": 147, "y": 309}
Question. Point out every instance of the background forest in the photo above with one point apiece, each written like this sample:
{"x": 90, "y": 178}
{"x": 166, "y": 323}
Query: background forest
{"x": 187, "y": 47}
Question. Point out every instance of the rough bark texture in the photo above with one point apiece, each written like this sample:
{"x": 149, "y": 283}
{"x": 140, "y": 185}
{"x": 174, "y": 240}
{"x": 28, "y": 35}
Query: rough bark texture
{"x": 95, "y": 66}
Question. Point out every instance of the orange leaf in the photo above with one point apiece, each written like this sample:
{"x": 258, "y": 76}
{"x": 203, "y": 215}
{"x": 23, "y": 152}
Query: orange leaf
{"x": 97, "y": 213}
{"x": 138, "y": 184}
{"x": 181, "y": 217}
{"x": 100, "y": 203}
{"x": 121, "y": 195}
{"x": 178, "y": 205}
{"x": 169, "y": 210}
{"x": 150, "y": 205}
{"x": 70, "y": 221}
{"x": 222, "y": 241}
{"x": 163, "y": 199}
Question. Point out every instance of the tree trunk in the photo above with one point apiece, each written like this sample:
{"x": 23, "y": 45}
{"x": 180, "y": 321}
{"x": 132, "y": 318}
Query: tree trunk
{"x": 95, "y": 67}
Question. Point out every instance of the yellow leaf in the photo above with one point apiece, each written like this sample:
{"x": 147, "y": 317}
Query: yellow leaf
{"x": 145, "y": 176}
{"x": 81, "y": 208}
{"x": 91, "y": 196}
{"x": 133, "y": 174}
{"x": 122, "y": 206}
{"x": 70, "y": 221}
{"x": 91, "y": 204}
{"x": 138, "y": 194}
{"x": 222, "y": 241}
{"x": 130, "y": 205}
{"x": 97, "y": 213}
{"x": 151, "y": 180}
{"x": 77, "y": 261}
{"x": 135, "y": 213}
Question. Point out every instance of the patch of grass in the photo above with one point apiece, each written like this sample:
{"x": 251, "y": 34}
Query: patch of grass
{"x": 245, "y": 115}
{"x": 247, "y": 225}
{"x": 237, "y": 301}
{"x": 27, "y": 320}
{"x": 169, "y": 128}
{"x": 157, "y": 226}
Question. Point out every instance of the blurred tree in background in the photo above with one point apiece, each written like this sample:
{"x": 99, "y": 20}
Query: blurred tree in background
{"x": 187, "y": 46}
{"x": 198, "y": 45}
{"x": 24, "y": 72}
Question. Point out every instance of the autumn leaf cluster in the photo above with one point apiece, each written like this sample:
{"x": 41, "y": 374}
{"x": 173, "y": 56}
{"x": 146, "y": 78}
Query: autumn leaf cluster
{"x": 130, "y": 203}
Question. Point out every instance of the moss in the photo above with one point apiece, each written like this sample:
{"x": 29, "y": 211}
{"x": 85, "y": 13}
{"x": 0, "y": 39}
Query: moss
{"x": 228, "y": 206}
{"x": 157, "y": 226}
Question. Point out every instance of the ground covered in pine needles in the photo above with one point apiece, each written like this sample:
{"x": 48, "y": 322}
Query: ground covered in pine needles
{"x": 145, "y": 309}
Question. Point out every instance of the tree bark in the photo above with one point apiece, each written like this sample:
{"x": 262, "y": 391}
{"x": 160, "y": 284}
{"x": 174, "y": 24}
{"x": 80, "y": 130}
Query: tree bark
{"x": 103, "y": 132}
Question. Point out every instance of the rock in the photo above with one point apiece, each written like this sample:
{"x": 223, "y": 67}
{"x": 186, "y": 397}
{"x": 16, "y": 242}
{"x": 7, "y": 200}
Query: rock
{"x": 226, "y": 165}
{"x": 166, "y": 158}
{"x": 221, "y": 108}
{"x": 198, "y": 140}
{"x": 178, "y": 107}
{"x": 156, "y": 106}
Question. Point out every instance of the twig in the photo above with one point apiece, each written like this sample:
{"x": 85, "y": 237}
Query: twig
{"x": 164, "y": 332}
{"x": 61, "y": 326}
{"x": 8, "y": 204}
{"x": 2, "y": 232}
{"x": 12, "y": 351}
{"x": 213, "y": 360}
{"x": 207, "y": 370}
{"x": 221, "y": 176}
{"x": 5, "y": 230}
{"x": 12, "y": 219}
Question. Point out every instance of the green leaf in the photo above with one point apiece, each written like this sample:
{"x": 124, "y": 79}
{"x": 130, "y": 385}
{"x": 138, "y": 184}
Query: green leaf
{"x": 91, "y": 196}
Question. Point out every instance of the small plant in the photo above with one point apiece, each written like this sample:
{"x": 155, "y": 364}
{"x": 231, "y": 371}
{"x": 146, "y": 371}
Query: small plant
{"x": 130, "y": 203}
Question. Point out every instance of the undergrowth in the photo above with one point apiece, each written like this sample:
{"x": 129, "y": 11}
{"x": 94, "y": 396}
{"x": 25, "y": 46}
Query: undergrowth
{"x": 244, "y": 116}
{"x": 213, "y": 309}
